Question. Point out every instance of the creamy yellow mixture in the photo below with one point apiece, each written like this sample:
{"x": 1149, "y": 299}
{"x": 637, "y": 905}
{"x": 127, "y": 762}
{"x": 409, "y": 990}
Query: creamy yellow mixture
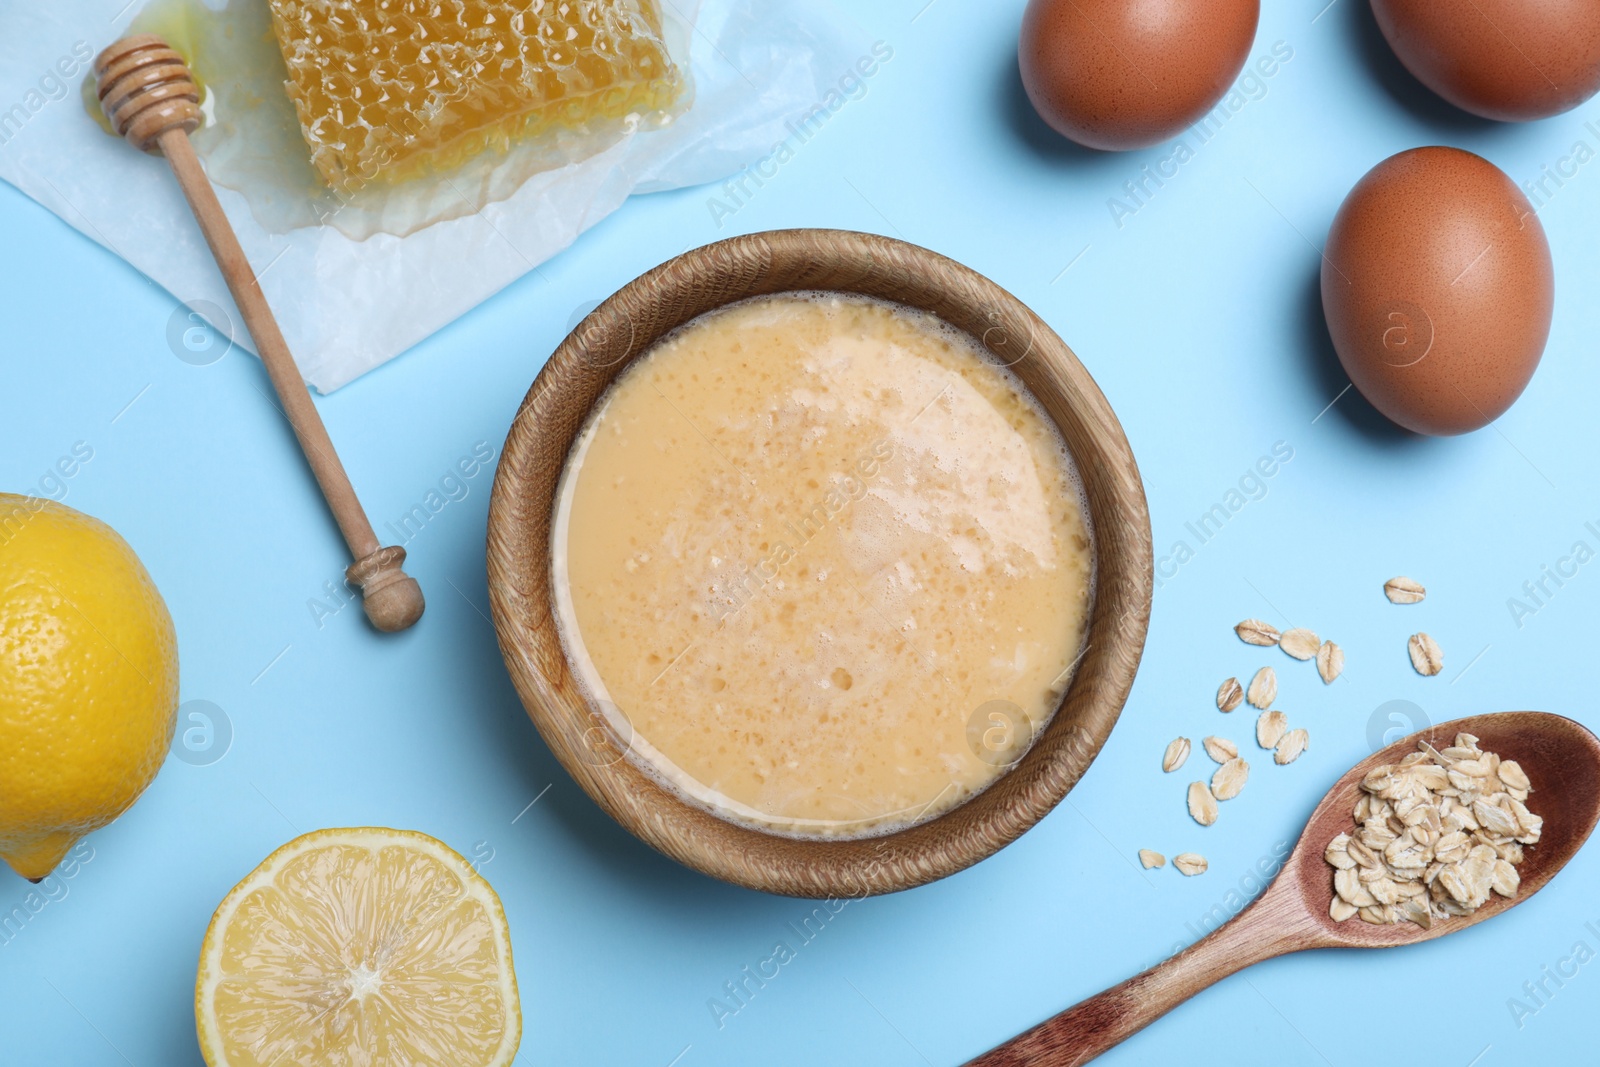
{"x": 823, "y": 563}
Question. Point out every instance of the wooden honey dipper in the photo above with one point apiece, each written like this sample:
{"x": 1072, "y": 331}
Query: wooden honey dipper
{"x": 152, "y": 100}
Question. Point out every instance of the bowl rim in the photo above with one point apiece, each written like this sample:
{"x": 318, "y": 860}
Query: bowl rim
{"x": 554, "y": 412}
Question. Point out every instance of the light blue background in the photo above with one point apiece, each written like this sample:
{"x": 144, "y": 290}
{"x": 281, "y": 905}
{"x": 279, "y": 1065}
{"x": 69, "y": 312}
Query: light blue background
{"x": 1198, "y": 316}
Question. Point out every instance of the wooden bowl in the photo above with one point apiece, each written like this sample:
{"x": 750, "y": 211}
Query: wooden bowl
{"x": 520, "y": 588}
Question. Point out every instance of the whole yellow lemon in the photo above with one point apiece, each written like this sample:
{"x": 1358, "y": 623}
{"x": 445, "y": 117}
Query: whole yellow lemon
{"x": 88, "y": 680}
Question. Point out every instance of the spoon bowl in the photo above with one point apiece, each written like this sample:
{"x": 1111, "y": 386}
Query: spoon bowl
{"x": 1562, "y": 761}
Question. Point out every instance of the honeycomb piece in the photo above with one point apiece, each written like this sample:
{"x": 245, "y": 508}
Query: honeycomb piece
{"x": 390, "y": 89}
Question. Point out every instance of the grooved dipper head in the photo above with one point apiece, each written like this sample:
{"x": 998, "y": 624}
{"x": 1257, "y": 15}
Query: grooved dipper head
{"x": 146, "y": 90}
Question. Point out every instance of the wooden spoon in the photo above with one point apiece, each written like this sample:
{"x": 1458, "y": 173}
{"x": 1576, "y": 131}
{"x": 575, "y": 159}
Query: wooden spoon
{"x": 1562, "y": 761}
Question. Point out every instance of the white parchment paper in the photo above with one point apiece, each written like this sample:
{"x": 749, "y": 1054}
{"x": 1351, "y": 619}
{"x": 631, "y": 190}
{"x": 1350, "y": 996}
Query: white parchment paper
{"x": 346, "y": 306}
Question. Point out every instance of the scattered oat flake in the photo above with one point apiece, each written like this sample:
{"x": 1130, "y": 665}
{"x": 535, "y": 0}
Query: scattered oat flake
{"x": 1220, "y": 748}
{"x": 1177, "y": 752}
{"x": 1404, "y": 590}
{"x": 1300, "y": 643}
{"x": 1270, "y": 727}
{"x": 1330, "y": 662}
{"x": 1151, "y": 859}
{"x": 1290, "y": 746}
{"x": 1190, "y": 863}
{"x": 1426, "y": 655}
{"x": 1230, "y": 778}
{"x": 1263, "y": 689}
{"x": 1229, "y": 695}
{"x": 1202, "y": 805}
{"x": 1256, "y": 632}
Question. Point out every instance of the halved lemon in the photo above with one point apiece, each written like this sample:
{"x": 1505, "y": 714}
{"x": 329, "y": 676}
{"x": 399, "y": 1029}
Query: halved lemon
{"x": 365, "y": 947}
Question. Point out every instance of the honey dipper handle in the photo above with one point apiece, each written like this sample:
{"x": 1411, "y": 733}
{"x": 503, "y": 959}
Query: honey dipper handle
{"x": 1106, "y": 1019}
{"x": 392, "y": 600}
{"x": 297, "y": 405}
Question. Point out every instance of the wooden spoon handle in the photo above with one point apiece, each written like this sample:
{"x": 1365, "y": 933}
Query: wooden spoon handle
{"x": 1090, "y": 1027}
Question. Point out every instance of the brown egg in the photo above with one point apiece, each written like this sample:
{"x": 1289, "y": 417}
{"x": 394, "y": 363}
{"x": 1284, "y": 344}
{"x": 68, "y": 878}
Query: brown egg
{"x": 1437, "y": 288}
{"x": 1120, "y": 74}
{"x": 1511, "y": 60}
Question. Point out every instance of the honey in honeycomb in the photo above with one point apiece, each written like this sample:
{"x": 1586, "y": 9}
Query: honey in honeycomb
{"x": 389, "y": 89}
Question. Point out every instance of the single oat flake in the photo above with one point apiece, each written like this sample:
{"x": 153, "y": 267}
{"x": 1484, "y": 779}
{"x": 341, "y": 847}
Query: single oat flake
{"x": 1263, "y": 689}
{"x": 1151, "y": 858}
{"x": 1300, "y": 643}
{"x": 1426, "y": 655}
{"x": 1270, "y": 727}
{"x": 1290, "y": 746}
{"x": 1515, "y": 779}
{"x": 1220, "y": 748}
{"x": 1230, "y": 778}
{"x": 1404, "y": 591}
{"x": 1202, "y": 805}
{"x": 1330, "y": 662}
{"x": 1177, "y": 752}
{"x": 1190, "y": 863}
{"x": 1229, "y": 695}
{"x": 1256, "y": 632}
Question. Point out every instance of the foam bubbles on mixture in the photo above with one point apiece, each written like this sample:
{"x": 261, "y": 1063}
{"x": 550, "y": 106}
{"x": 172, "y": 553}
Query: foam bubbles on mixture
{"x": 806, "y": 546}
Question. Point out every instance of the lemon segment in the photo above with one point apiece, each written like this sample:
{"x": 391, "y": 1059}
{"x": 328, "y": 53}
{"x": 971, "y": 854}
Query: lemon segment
{"x": 359, "y": 948}
{"x": 88, "y": 680}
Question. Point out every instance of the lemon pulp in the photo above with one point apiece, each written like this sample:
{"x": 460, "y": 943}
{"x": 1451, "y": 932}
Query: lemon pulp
{"x": 355, "y": 948}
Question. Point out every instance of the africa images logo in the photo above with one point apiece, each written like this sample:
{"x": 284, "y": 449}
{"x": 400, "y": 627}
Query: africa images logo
{"x": 1392, "y": 720}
